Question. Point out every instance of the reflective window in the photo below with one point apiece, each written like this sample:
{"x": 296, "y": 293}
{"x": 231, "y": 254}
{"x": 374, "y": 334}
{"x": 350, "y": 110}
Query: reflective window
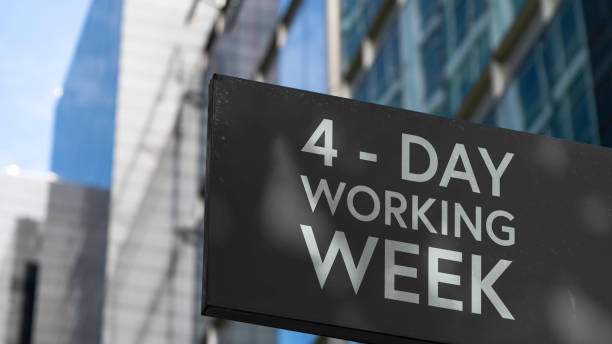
{"x": 465, "y": 15}
{"x": 550, "y": 55}
{"x": 558, "y": 125}
{"x": 428, "y": 9}
{"x": 461, "y": 21}
{"x": 396, "y": 100}
{"x": 597, "y": 14}
{"x": 479, "y": 8}
{"x": 569, "y": 30}
{"x": 283, "y": 6}
{"x": 579, "y": 108}
{"x": 530, "y": 90}
{"x": 489, "y": 118}
{"x": 469, "y": 70}
{"x": 361, "y": 93}
{"x": 433, "y": 59}
{"x": 442, "y": 110}
{"x": 356, "y": 17}
{"x": 483, "y": 52}
{"x": 554, "y": 87}
{"x": 302, "y": 61}
{"x": 380, "y": 84}
{"x": 518, "y": 4}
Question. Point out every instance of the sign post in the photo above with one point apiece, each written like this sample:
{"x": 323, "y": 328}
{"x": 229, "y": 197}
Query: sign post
{"x": 359, "y": 221}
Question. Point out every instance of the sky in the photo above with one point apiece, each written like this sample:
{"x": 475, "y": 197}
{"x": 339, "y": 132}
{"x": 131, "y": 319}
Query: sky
{"x": 37, "y": 40}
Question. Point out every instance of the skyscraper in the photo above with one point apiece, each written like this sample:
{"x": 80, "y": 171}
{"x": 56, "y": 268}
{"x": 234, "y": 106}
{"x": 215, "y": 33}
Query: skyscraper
{"x": 129, "y": 123}
{"x": 83, "y": 136}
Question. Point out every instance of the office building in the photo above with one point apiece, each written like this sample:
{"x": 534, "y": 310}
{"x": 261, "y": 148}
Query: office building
{"x": 599, "y": 35}
{"x": 53, "y": 258}
{"x": 541, "y": 66}
{"x": 128, "y": 125}
{"x": 525, "y": 64}
{"x": 151, "y": 286}
{"x": 521, "y": 65}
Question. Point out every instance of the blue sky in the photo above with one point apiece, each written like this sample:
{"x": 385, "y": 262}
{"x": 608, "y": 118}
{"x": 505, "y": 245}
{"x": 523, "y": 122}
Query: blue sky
{"x": 37, "y": 40}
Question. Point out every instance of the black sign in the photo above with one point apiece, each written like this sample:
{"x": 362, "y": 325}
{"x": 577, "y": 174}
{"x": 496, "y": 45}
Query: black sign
{"x": 354, "y": 220}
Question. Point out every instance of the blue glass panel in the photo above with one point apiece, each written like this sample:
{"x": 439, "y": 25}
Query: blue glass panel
{"x": 442, "y": 110}
{"x": 550, "y": 53}
{"x": 283, "y": 5}
{"x": 518, "y": 4}
{"x": 290, "y": 337}
{"x": 385, "y": 71}
{"x": 530, "y": 90}
{"x": 461, "y": 21}
{"x": 484, "y": 51}
{"x": 302, "y": 61}
{"x": 597, "y": 14}
{"x": 433, "y": 59}
{"x": 489, "y": 118}
{"x": 396, "y": 100}
{"x": 362, "y": 91}
{"x": 569, "y": 30}
{"x": 558, "y": 125}
{"x": 428, "y": 8}
{"x": 479, "y": 8}
{"x": 355, "y": 18}
{"x": 581, "y": 118}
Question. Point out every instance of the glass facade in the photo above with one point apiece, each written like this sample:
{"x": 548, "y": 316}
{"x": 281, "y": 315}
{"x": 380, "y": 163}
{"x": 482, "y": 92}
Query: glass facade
{"x": 83, "y": 135}
{"x": 283, "y": 6}
{"x": 356, "y": 17}
{"x": 456, "y": 44}
{"x": 551, "y": 92}
{"x": 439, "y": 58}
{"x": 434, "y": 52}
{"x": 381, "y": 83}
{"x": 597, "y": 14}
{"x": 302, "y": 61}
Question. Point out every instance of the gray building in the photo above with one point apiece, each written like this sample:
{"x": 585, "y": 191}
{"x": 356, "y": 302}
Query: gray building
{"x": 54, "y": 249}
{"x": 152, "y": 293}
{"x": 72, "y": 259}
